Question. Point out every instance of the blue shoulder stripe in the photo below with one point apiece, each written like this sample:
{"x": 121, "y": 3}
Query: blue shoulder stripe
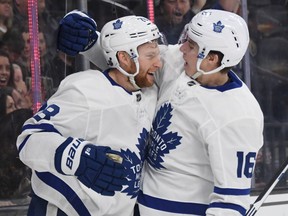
{"x": 232, "y": 191}
{"x": 63, "y": 188}
{"x": 231, "y": 206}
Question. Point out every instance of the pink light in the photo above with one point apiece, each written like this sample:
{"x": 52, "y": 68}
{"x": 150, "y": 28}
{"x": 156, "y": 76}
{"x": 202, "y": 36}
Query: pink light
{"x": 35, "y": 56}
{"x": 150, "y": 10}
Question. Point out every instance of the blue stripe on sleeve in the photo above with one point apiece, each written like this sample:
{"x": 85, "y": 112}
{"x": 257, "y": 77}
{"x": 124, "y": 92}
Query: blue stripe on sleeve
{"x": 231, "y": 191}
{"x": 44, "y": 127}
{"x": 231, "y": 206}
{"x": 63, "y": 188}
{"x": 171, "y": 206}
{"x": 23, "y": 143}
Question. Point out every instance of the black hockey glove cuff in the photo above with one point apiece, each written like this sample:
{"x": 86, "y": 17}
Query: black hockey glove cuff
{"x": 97, "y": 167}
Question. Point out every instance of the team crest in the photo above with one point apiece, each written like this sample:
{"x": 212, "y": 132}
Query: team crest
{"x": 218, "y": 27}
{"x": 117, "y": 24}
{"x": 161, "y": 140}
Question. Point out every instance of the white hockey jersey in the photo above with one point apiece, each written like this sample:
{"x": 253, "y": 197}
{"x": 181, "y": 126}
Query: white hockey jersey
{"x": 203, "y": 146}
{"x": 91, "y": 106}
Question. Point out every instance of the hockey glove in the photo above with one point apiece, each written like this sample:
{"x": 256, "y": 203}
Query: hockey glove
{"x": 76, "y": 33}
{"x": 97, "y": 167}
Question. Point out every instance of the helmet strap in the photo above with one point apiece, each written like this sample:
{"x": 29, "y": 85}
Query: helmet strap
{"x": 201, "y": 72}
{"x": 131, "y": 76}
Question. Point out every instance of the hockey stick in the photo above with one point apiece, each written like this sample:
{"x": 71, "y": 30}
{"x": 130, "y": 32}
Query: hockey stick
{"x": 269, "y": 187}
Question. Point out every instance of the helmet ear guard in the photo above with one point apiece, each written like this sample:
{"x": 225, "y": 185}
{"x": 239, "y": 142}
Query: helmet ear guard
{"x": 222, "y": 31}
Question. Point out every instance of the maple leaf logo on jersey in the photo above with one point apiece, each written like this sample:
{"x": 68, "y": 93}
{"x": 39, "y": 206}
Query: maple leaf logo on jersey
{"x": 161, "y": 141}
{"x": 134, "y": 165}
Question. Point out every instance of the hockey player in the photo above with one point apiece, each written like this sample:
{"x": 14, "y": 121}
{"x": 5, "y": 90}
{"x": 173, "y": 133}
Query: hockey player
{"x": 86, "y": 145}
{"x": 208, "y": 126}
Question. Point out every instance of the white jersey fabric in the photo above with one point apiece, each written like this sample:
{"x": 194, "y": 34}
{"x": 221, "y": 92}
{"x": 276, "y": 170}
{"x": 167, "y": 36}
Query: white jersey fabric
{"x": 203, "y": 146}
{"x": 88, "y": 105}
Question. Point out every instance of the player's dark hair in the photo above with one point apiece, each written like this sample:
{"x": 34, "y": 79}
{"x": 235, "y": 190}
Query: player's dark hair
{"x": 220, "y": 57}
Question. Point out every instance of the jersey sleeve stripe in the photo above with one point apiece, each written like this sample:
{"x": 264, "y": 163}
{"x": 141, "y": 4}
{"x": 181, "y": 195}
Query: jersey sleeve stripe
{"x": 232, "y": 191}
{"x": 231, "y": 206}
{"x": 63, "y": 188}
{"x": 23, "y": 143}
{"x": 43, "y": 127}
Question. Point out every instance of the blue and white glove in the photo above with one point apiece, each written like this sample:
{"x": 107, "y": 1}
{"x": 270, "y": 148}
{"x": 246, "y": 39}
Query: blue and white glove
{"x": 97, "y": 167}
{"x": 76, "y": 33}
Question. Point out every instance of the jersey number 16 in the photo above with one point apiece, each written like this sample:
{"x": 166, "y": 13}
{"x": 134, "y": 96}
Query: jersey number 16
{"x": 245, "y": 164}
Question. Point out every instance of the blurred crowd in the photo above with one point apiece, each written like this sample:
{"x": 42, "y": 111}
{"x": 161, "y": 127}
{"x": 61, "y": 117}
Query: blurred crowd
{"x": 15, "y": 54}
{"x": 15, "y": 82}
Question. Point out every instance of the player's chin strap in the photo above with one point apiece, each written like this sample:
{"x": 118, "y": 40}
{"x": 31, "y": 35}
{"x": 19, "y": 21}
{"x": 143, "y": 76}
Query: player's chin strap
{"x": 201, "y": 72}
{"x": 131, "y": 76}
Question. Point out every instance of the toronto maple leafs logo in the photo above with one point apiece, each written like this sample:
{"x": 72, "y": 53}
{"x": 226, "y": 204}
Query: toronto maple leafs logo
{"x": 134, "y": 165}
{"x": 218, "y": 27}
{"x": 161, "y": 141}
{"x": 117, "y": 24}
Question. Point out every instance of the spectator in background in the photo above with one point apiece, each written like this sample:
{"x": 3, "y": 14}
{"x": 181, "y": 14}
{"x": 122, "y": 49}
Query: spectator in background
{"x": 6, "y": 16}
{"x": 198, "y": 5}
{"x": 7, "y": 104}
{"x": 46, "y": 21}
{"x": 24, "y": 58}
{"x": 13, "y": 112}
{"x": 18, "y": 79}
{"x": 7, "y": 80}
{"x": 6, "y": 71}
{"x": 172, "y": 15}
{"x": 20, "y": 11}
{"x": 64, "y": 66}
{"x": 20, "y": 85}
{"x": 49, "y": 26}
{"x": 232, "y": 6}
{"x": 12, "y": 43}
{"x": 47, "y": 68}
{"x": 14, "y": 175}
{"x": 48, "y": 75}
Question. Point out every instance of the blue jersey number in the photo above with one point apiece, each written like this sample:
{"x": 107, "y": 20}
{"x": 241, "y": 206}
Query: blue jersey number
{"x": 47, "y": 113}
{"x": 245, "y": 164}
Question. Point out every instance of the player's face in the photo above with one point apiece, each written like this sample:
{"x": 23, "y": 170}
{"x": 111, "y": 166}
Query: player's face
{"x": 150, "y": 62}
{"x": 190, "y": 53}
